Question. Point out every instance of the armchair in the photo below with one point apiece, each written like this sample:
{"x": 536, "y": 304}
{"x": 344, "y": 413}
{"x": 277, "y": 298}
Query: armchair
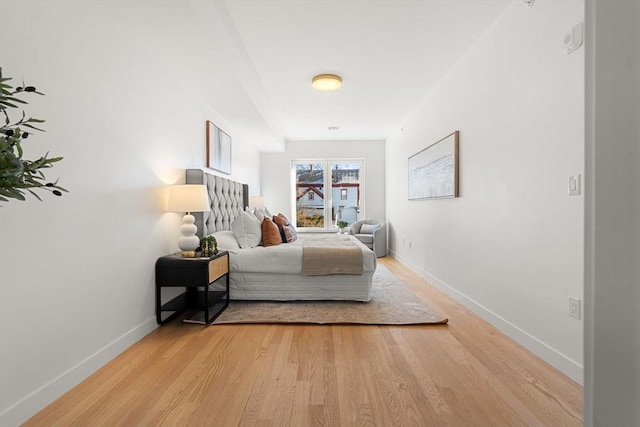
{"x": 372, "y": 233}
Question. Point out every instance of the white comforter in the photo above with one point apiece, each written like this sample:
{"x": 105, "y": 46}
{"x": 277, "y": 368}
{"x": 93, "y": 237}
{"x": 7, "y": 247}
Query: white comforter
{"x": 287, "y": 257}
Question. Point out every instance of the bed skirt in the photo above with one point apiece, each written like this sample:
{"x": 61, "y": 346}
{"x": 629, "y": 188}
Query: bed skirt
{"x": 296, "y": 287}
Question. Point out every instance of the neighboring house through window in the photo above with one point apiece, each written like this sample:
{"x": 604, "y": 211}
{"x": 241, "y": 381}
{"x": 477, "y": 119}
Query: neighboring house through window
{"x": 317, "y": 208}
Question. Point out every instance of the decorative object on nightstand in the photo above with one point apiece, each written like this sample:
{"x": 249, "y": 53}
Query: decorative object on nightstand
{"x": 188, "y": 198}
{"x": 208, "y": 245}
{"x": 197, "y": 276}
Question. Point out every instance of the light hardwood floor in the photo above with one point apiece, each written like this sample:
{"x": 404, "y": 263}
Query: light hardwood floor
{"x": 465, "y": 373}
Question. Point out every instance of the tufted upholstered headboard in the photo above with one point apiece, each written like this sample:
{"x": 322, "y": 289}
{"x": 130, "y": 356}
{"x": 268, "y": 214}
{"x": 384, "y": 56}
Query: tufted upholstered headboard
{"x": 227, "y": 199}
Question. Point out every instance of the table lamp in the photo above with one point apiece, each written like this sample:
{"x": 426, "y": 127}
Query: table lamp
{"x": 256, "y": 202}
{"x": 188, "y": 198}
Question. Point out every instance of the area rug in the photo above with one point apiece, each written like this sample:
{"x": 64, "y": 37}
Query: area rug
{"x": 391, "y": 304}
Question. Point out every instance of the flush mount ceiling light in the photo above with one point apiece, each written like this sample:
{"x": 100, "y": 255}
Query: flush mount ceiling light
{"x": 326, "y": 82}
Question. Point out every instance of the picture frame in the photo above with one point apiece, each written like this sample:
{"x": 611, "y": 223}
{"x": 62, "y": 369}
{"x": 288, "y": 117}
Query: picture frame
{"x": 218, "y": 149}
{"x": 433, "y": 172}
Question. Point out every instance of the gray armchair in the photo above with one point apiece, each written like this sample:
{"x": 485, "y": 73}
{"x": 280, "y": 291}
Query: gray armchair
{"x": 371, "y": 232}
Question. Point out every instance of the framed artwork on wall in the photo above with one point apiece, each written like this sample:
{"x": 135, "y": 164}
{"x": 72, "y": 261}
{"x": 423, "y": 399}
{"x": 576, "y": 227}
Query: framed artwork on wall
{"x": 218, "y": 149}
{"x": 433, "y": 172}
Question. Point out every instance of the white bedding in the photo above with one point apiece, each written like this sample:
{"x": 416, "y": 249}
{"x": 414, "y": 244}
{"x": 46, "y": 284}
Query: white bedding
{"x": 287, "y": 257}
{"x": 275, "y": 273}
{"x": 294, "y": 287}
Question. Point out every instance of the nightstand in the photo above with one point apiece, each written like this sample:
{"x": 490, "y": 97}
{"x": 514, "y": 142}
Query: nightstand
{"x": 196, "y": 276}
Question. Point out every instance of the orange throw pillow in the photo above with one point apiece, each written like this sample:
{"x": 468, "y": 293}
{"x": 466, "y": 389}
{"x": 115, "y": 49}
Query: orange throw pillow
{"x": 270, "y": 233}
{"x": 281, "y": 220}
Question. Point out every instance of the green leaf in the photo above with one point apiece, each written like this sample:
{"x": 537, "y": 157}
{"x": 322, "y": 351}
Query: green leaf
{"x": 8, "y": 104}
{"x": 18, "y": 176}
{"x": 12, "y": 193}
{"x": 14, "y": 99}
{"x": 32, "y": 127}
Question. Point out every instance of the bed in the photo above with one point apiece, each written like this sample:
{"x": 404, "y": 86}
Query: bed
{"x": 281, "y": 272}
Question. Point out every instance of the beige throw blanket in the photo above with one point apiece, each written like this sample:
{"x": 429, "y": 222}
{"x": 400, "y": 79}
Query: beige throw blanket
{"x": 322, "y": 257}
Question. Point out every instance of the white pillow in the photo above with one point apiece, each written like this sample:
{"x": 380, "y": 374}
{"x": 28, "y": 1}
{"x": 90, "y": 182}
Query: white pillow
{"x": 368, "y": 228}
{"x": 227, "y": 241}
{"x": 247, "y": 230}
{"x": 259, "y": 213}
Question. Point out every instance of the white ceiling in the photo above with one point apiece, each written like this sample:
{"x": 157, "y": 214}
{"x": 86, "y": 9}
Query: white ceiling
{"x": 389, "y": 53}
{"x": 253, "y": 60}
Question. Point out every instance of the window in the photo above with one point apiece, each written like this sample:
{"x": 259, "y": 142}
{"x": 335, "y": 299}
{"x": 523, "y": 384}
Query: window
{"x": 314, "y": 204}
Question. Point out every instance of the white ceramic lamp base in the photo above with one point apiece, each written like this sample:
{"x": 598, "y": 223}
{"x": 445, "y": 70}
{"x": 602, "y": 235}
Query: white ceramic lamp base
{"x": 188, "y": 242}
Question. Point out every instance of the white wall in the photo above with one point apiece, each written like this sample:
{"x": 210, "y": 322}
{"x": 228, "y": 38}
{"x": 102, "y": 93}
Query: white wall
{"x": 510, "y": 247}
{"x": 76, "y": 272}
{"x": 612, "y": 240}
{"x": 276, "y": 171}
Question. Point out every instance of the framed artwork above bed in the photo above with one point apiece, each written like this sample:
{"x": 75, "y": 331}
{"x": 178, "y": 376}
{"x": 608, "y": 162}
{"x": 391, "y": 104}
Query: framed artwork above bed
{"x": 433, "y": 172}
{"x": 218, "y": 149}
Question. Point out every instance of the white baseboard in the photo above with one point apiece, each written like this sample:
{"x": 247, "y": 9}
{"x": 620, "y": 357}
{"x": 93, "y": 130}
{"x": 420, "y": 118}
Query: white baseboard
{"x": 564, "y": 364}
{"x": 36, "y": 401}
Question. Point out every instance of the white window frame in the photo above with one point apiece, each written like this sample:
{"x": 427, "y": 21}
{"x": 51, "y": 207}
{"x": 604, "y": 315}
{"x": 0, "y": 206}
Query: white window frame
{"x": 329, "y": 224}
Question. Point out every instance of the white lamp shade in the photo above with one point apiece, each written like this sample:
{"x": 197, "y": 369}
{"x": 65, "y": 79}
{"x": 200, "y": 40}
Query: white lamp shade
{"x": 188, "y": 198}
{"x": 256, "y": 202}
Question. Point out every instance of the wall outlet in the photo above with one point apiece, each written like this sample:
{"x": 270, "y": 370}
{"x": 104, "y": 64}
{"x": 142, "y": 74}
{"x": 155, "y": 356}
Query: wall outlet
{"x": 574, "y": 185}
{"x": 574, "y": 307}
{"x": 409, "y": 244}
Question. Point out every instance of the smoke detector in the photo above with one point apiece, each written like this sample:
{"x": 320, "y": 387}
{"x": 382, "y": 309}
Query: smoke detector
{"x": 529, "y": 3}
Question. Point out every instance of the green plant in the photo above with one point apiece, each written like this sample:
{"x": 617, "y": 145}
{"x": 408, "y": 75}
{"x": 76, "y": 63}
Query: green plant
{"x": 303, "y": 219}
{"x": 18, "y": 175}
{"x": 208, "y": 245}
{"x": 342, "y": 224}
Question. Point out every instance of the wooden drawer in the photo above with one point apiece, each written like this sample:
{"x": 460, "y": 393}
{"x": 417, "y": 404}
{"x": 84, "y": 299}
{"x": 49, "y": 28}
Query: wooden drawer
{"x": 218, "y": 267}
